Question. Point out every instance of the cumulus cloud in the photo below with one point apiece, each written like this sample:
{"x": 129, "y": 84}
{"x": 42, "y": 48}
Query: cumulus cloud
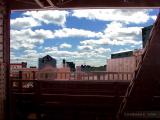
{"x": 77, "y": 55}
{"x": 28, "y": 38}
{"x": 94, "y": 42}
{"x": 24, "y": 22}
{"x": 50, "y": 49}
{"x": 91, "y": 50}
{"x": 73, "y": 32}
{"x": 65, "y": 45}
{"x": 26, "y": 57}
{"x": 49, "y": 16}
{"x": 117, "y": 33}
{"x": 102, "y": 50}
{"x": 123, "y": 15}
{"x": 85, "y": 48}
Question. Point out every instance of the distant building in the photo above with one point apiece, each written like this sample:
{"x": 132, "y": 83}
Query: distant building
{"x": 145, "y": 34}
{"x": 28, "y": 74}
{"x": 48, "y": 72}
{"x": 78, "y": 68}
{"x": 88, "y": 68}
{"x": 122, "y": 54}
{"x": 63, "y": 74}
{"x": 47, "y": 60}
{"x": 15, "y": 68}
{"x": 70, "y": 65}
{"x": 51, "y": 73}
{"x": 124, "y": 62}
{"x": 33, "y": 67}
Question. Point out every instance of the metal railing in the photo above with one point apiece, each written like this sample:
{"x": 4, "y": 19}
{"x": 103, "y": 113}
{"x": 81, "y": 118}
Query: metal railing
{"x": 81, "y": 76}
{"x": 33, "y": 85}
{"x": 69, "y": 87}
{"x": 105, "y": 76}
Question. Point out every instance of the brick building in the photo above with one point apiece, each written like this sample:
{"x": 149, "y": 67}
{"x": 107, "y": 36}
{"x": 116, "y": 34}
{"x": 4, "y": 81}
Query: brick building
{"x": 124, "y": 62}
{"x": 28, "y": 74}
{"x": 47, "y": 60}
{"x": 15, "y": 68}
{"x": 52, "y": 73}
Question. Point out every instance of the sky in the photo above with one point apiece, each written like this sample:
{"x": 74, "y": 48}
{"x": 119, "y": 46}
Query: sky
{"x": 87, "y": 36}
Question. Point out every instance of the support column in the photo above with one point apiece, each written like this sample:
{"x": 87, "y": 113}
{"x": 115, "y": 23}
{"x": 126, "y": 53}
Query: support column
{"x": 4, "y": 58}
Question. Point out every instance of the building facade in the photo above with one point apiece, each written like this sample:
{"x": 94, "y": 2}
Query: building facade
{"x": 124, "y": 62}
{"x": 145, "y": 34}
{"x": 52, "y": 73}
{"x": 15, "y": 68}
{"x": 70, "y": 65}
{"x": 47, "y": 60}
{"x": 28, "y": 74}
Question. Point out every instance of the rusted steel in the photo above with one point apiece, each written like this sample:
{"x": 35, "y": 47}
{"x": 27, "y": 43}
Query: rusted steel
{"x": 56, "y": 4}
{"x": 75, "y": 95}
{"x": 143, "y": 92}
{"x": 4, "y": 58}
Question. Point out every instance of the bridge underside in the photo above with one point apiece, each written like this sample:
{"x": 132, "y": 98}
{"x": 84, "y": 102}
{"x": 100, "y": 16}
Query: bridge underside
{"x": 57, "y": 4}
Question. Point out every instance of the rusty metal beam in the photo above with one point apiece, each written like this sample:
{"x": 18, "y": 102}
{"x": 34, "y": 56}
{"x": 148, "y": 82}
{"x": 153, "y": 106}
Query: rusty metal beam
{"x": 145, "y": 85}
{"x": 37, "y": 4}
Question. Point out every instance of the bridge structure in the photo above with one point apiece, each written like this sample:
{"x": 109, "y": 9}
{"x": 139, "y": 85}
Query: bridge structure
{"x": 95, "y": 95}
{"x": 90, "y": 100}
{"x": 142, "y": 99}
{"x": 66, "y": 100}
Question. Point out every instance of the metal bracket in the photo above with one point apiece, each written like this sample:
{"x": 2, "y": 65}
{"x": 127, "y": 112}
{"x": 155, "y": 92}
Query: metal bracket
{"x": 42, "y": 6}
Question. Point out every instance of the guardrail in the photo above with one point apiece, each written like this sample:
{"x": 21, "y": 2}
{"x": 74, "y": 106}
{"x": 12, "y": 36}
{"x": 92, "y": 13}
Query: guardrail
{"x": 90, "y": 78}
{"x": 90, "y": 83}
{"x": 105, "y": 76}
{"x": 70, "y": 87}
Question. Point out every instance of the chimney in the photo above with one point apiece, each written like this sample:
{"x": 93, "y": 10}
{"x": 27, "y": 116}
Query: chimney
{"x": 64, "y": 62}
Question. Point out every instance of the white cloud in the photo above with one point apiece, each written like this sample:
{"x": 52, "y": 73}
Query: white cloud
{"x": 102, "y": 50}
{"x": 78, "y": 55}
{"x": 115, "y": 28}
{"x": 90, "y": 50}
{"x": 24, "y": 22}
{"x": 123, "y": 50}
{"x": 28, "y": 38}
{"x": 31, "y": 51}
{"x": 100, "y": 54}
{"x": 94, "y": 42}
{"x": 106, "y": 41}
{"x": 117, "y": 33}
{"x": 29, "y": 56}
{"x": 65, "y": 45}
{"x": 93, "y": 50}
{"x": 73, "y": 32}
{"x": 50, "y": 49}
{"x": 85, "y": 48}
{"x": 124, "y": 15}
{"x": 49, "y": 16}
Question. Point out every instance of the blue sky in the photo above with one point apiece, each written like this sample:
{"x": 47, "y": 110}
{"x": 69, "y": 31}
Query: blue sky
{"x": 82, "y": 36}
